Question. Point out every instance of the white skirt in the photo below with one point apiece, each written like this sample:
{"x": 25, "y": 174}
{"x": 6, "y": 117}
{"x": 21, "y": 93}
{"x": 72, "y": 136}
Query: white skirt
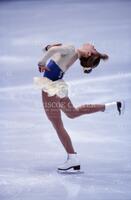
{"x": 59, "y": 87}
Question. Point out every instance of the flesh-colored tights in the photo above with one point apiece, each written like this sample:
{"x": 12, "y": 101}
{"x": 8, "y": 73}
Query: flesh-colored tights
{"x": 53, "y": 106}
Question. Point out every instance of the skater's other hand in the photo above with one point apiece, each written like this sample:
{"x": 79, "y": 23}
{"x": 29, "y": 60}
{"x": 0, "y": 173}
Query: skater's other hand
{"x": 43, "y": 68}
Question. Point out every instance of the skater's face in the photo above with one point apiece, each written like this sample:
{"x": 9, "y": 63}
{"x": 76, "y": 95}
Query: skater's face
{"x": 90, "y": 50}
{"x": 87, "y": 50}
{"x": 89, "y": 57}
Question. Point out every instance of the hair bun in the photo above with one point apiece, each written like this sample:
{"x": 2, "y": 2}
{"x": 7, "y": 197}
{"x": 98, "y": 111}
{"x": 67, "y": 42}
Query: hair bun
{"x": 104, "y": 56}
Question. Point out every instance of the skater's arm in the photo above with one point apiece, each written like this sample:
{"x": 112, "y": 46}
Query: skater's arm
{"x": 62, "y": 50}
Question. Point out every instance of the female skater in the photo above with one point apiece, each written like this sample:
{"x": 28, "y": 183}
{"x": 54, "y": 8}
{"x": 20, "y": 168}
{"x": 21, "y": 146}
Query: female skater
{"x": 54, "y": 91}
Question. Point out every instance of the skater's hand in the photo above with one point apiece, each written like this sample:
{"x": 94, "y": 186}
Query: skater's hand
{"x": 43, "y": 68}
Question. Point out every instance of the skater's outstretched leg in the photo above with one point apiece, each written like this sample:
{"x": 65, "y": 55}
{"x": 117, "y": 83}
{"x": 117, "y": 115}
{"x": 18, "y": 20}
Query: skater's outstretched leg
{"x": 72, "y": 112}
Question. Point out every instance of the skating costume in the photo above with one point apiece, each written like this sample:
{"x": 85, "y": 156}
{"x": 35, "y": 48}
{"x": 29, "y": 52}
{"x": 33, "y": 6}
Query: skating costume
{"x": 61, "y": 58}
{"x": 55, "y": 72}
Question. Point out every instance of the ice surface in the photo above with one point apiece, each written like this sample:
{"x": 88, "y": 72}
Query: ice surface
{"x": 29, "y": 148}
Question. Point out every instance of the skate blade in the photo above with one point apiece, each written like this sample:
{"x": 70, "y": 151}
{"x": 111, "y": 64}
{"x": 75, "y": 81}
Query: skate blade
{"x": 70, "y": 171}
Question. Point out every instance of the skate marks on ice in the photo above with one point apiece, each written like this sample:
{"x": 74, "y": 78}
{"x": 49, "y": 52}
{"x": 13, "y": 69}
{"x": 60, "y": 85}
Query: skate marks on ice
{"x": 27, "y": 184}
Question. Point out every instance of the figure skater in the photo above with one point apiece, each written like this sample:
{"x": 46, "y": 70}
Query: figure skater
{"x": 55, "y": 95}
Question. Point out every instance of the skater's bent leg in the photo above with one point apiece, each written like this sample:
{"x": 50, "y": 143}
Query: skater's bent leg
{"x": 51, "y": 105}
{"x": 72, "y": 112}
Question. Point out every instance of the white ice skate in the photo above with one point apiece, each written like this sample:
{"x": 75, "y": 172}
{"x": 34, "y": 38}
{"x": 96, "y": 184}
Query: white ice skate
{"x": 72, "y": 163}
{"x": 118, "y": 106}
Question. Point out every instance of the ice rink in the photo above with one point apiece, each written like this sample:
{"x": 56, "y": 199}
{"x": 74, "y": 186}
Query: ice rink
{"x": 29, "y": 148}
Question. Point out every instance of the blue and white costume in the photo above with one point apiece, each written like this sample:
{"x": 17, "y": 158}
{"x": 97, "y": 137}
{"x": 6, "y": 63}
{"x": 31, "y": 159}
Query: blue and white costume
{"x": 61, "y": 58}
{"x": 55, "y": 72}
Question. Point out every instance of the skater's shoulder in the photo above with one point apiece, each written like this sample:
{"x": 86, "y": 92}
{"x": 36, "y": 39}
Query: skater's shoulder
{"x": 69, "y": 48}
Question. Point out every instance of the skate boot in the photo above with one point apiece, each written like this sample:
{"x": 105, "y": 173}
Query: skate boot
{"x": 118, "y": 106}
{"x": 72, "y": 163}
